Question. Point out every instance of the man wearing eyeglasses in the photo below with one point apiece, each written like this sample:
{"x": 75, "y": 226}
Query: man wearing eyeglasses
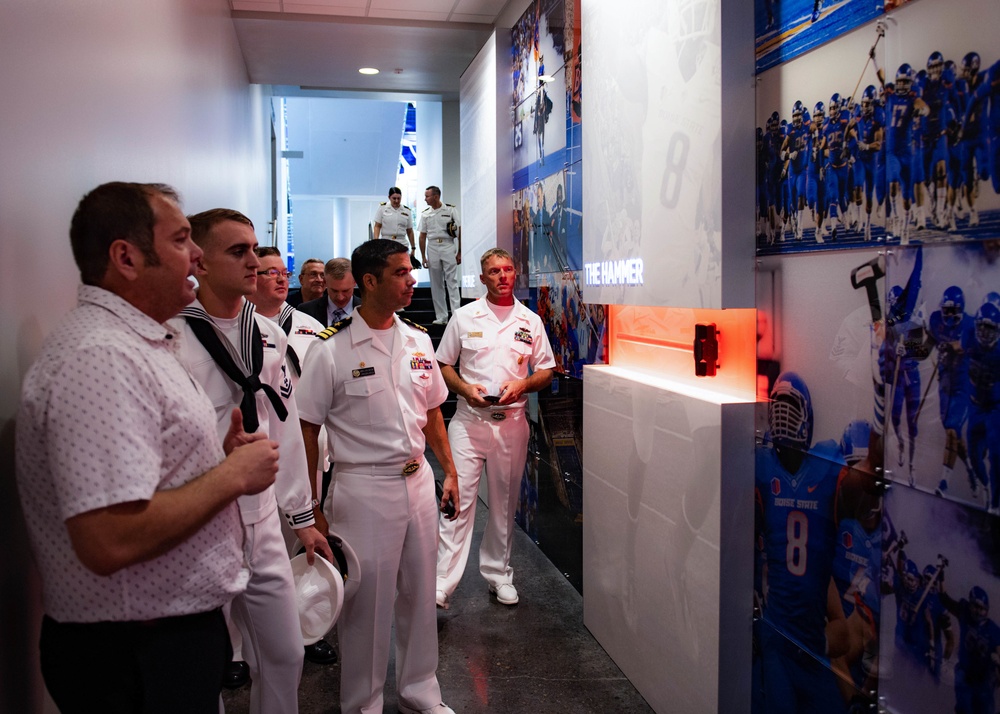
{"x": 339, "y": 301}
{"x": 301, "y": 331}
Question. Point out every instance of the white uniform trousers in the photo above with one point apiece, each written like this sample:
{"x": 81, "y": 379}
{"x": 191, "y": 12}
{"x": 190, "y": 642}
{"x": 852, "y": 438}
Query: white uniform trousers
{"x": 391, "y": 522}
{"x": 443, "y": 271}
{"x": 267, "y": 615}
{"x": 502, "y": 446}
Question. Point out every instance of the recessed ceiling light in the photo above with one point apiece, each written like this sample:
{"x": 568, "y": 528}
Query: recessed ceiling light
{"x": 368, "y": 70}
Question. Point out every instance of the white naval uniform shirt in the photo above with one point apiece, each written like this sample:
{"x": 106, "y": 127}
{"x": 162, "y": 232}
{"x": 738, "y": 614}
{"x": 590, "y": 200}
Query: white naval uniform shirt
{"x": 373, "y": 403}
{"x": 493, "y": 353}
{"x": 108, "y": 415}
{"x": 395, "y": 222}
{"x": 434, "y": 222}
{"x": 291, "y": 487}
{"x": 305, "y": 330}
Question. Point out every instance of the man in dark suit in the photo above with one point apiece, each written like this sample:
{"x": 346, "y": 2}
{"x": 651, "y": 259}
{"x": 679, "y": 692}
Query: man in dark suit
{"x": 339, "y": 301}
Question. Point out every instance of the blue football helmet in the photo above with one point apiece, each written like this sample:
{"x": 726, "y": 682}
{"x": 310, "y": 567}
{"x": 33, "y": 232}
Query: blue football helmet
{"x": 854, "y": 442}
{"x": 988, "y": 325}
{"x": 935, "y": 63}
{"x": 993, "y": 298}
{"x": 834, "y": 105}
{"x": 819, "y": 111}
{"x": 979, "y": 603}
{"x": 797, "y": 114}
{"x": 904, "y": 79}
{"x": 868, "y": 100}
{"x": 952, "y": 305}
{"x": 790, "y": 413}
{"x": 930, "y": 575}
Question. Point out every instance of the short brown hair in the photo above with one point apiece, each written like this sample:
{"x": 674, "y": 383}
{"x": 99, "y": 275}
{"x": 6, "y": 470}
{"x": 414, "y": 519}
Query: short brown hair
{"x": 337, "y": 268}
{"x": 110, "y": 212}
{"x": 203, "y": 223}
{"x": 494, "y": 253}
{"x": 263, "y": 251}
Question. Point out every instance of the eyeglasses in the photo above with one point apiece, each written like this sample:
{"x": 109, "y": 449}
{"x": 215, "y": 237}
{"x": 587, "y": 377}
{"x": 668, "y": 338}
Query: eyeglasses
{"x": 274, "y": 273}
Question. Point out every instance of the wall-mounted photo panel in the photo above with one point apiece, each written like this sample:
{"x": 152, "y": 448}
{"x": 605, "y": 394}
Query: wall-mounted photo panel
{"x": 954, "y": 132}
{"x": 939, "y": 641}
{"x": 576, "y": 330}
{"x": 653, "y": 154}
{"x": 939, "y": 370}
{"x": 820, "y": 128}
{"x": 824, "y": 309}
{"x": 883, "y": 137}
{"x": 785, "y": 29}
{"x": 540, "y": 100}
{"x": 555, "y": 222}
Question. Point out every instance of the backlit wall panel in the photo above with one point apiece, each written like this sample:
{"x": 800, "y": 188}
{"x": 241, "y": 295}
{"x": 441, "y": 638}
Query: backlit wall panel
{"x": 662, "y": 195}
{"x": 667, "y": 512}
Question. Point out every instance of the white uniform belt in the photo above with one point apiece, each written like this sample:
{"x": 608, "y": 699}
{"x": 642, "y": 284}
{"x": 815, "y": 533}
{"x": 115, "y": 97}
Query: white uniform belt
{"x": 406, "y": 468}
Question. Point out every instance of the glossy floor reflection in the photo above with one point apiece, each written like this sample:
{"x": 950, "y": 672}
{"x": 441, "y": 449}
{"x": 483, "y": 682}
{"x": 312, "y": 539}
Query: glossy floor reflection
{"x": 533, "y": 657}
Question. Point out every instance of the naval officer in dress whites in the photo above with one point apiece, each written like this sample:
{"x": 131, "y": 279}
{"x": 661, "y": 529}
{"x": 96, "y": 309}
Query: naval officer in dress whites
{"x": 394, "y": 221}
{"x": 373, "y": 381}
{"x": 440, "y": 231}
{"x": 503, "y": 354}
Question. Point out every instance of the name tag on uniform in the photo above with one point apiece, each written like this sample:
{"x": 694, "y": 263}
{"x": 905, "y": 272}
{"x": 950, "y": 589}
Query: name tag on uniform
{"x": 475, "y": 334}
{"x": 363, "y": 372}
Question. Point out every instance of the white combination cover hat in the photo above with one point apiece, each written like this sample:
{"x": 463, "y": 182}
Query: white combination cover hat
{"x": 345, "y": 560}
{"x": 319, "y": 591}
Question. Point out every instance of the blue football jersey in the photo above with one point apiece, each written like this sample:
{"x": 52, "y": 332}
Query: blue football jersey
{"x": 798, "y": 534}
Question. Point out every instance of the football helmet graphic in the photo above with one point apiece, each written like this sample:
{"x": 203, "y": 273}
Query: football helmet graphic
{"x": 935, "y": 64}
{"x": 854, "y": 442}
{"x": 952, "y": 305}
{"x": 988, "y": 325}
{"x": 970, "y": 66}
{"x": 790, "y": 413}
{"x": 904, "y": 79}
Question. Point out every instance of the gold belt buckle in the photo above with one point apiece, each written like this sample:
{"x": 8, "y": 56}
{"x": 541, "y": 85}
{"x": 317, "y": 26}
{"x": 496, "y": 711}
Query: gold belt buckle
{"x": 411, "y": 467}
{"x": 498, "y": 416}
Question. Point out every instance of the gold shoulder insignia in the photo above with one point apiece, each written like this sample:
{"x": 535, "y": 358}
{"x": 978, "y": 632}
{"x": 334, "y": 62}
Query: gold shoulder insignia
{"x": 383, "y": 203}
{"x": 411, "y": 323}
{"x": 450, "y": 205}
{"x": 426, "y": 209}
{"x": 334, "y": 328}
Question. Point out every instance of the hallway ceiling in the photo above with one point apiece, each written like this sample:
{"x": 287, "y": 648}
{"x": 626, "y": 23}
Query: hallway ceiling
{"x": 419, "y": 46}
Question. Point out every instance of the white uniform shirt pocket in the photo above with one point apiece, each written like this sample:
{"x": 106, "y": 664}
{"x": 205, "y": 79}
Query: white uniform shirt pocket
{"x": 520, "y": 355}
{"x": 368, "y": 400}
{"x": 473, "y": 344}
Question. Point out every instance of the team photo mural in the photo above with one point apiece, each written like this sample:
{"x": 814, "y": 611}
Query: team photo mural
{"x": 888, "y": 375}
{"x": 899, "y": 145}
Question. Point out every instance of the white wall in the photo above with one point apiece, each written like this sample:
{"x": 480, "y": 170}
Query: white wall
{"x": 139, "y": 91}
{"x": 479, "y": 137}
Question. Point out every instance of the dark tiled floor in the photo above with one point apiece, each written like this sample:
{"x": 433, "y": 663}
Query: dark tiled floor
{"x": 534, "y": 657}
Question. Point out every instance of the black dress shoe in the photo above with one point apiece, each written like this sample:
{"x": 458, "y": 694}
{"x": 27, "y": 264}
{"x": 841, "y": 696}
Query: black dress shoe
{"x": 236, "y": 675}
{"x": 321, "y": 653}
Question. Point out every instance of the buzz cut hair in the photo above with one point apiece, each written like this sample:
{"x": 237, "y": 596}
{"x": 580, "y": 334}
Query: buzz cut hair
{"x": 203, "y": 223}
{"x": 434, "y": 190}
{"x": 264, "y": 251}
